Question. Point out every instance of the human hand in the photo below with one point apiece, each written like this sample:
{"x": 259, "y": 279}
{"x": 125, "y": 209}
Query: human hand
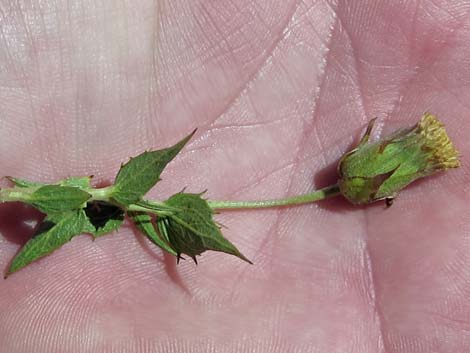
{"x": 279, "y": 91}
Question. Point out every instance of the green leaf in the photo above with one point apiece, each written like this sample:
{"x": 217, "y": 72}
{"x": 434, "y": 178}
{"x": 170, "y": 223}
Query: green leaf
{"x": 52, "y": 233}
{"x": 140, "y": 174}
{"x": 56, "y": 198}
{"x": 103, "y": 218}
{"x": 23, "y": 183}
{"x": 191, "y": 229}
{"x": 143, "y": 222}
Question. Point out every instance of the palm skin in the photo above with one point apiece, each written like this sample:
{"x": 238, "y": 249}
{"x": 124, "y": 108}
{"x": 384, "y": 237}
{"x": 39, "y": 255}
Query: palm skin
{"x": 279, "y": 90}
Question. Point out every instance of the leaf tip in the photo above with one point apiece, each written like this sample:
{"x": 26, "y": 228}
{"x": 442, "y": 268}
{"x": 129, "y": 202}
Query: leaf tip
{"x": 12, "y": 269}
{"x": 202, "y": 193}
{"x": 189, "y": 137}
{"x": 244, "y": 258}
{"x": 234, "y": 251}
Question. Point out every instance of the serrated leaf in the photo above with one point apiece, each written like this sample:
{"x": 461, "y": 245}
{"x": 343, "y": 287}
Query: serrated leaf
{"x": 103, "y": 218}
{"x": 141, "y": 173}
{"x": 143, "y": 222}
{"x": 23, "y": 183}
{"x": 191, "y": 229}
{"x": 52, "y": 233}
{"x": 57, "y": 199}
{"x": 78, "y": 182}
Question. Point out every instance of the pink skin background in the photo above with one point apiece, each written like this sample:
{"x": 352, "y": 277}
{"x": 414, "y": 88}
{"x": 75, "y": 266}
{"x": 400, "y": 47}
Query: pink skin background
{"x": 279, "y": 90}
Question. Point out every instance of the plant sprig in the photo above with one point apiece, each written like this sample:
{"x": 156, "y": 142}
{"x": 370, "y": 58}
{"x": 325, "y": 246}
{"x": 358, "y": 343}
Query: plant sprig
{"x": 184, "y": 223}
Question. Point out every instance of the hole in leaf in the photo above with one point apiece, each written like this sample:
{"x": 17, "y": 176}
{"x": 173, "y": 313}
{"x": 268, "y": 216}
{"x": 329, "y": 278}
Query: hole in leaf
{"x": 100, "y": 213}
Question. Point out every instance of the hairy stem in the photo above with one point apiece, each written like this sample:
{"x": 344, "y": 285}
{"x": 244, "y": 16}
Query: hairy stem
{"x": 15, "y": 194}
{"x": 329, "y": 191}
{"x": 100, "y": 194}
{"x": 160, "y": 208}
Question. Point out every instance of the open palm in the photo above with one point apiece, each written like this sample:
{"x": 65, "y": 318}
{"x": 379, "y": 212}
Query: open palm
{"x": 278, "y": 90}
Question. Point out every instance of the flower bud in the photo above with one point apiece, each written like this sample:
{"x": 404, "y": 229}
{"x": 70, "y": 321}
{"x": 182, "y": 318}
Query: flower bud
{"x": 379, "y": 170}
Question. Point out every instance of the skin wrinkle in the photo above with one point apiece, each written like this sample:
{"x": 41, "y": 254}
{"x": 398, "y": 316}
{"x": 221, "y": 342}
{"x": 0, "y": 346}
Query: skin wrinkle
{"x": 12, "y": 61}
{"x": 324, "y": 41}
{"x": 274, "y": 229}
{"x": 357, "y": 67}
{"x": 358, "y": 64}
{"x": 152, "y": 82}
{"x": 414, "y": 25}
{"x": 252, "y": 77}
{"x": 268, "y": 55}
{"x": 368, "y": 258}
{"x": 320, "y": 144}
{"x": 445, "y": 88}
{"x": 419, "y": 68}
{"x": 27, "y": 31}
{"x": 123, "y": 58}
{"x": 6, "y": 49}
{"x": 442, "y": 8}
{"x": 249, "y": 125}
{"x": 208, "y": 17}
{"x": 317, "y": 100}
{"x": 370, "y": 274}
{"x": 259, "y": 180}
{"x": 166, "y": 42}
{"x": 375, "y": 303}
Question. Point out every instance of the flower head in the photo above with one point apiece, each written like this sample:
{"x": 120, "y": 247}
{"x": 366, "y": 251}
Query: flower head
{"x": 379, "y": 170}
{"x": 441, "y": 152}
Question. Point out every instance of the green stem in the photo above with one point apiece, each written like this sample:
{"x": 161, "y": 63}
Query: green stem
{"x": 160, "y": 208}
{"x": 156, "y": 207}
{"x": 329, "y": 191}
{"x": 100, "y": 194}
{"x": 16, "y": 194}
